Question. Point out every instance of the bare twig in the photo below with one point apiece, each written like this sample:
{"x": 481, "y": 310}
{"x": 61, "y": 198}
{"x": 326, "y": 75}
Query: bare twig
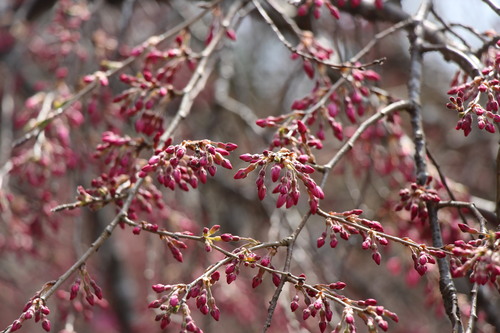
{"x": 290, "y": 241}
{"x": 431, "y": 33}
{"x": 444, "y": 182}
{"x": 304, "y": 55}
{"x": 447, "y": 27}
{"x": 473, "y": 308}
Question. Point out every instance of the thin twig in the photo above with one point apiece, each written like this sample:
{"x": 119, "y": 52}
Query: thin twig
{"x": 442, "y": 177}
{"x": 473, "y": 308}
{"x": 448, "y": 28}
{"x": 304, "y": 55}
{"x": 379, "y": 36}
{"x": 469, "y": 205}
{"x": 290, "y": 241}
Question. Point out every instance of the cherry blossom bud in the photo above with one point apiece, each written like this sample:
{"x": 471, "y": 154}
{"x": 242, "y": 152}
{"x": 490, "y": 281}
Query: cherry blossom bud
{"x": 215, "y": 313}
{"x": 46, "y": 325}
{"x": 158, "y": 288}
{"x": 16, "y": 325}
{"x": 231, "y": 34}
{"x": 308, "y": 68}
{"x": 275, "y": 172}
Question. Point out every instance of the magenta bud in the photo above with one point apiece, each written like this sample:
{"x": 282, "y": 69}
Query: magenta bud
{"x": 301, "y": 127}
{"x": 16, "y": 325}
{"x": 46, "y": 325}
{"x": 231, "y": 34}
{"x": 215, "y": 313}
{"x": 158, "y": 288}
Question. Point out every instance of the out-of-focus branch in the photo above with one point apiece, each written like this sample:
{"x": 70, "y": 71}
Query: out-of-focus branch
{"x": 444, "y": 182}
{"x": 396, "y": 106}
{"x": 117, "y": 67}
{"x": 430, "y": 32}
{"x": 494, "y": 7}
{"x": 294, "y": 49}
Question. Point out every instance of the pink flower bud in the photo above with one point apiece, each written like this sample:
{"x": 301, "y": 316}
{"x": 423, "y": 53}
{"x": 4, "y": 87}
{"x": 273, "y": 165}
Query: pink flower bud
{"x": 164, "y": 321}
{"x": 46, "y": 325}
{"x": 16, "y": 325}
{"x": 306, "y": 314}
{"x": 231, "y": 34}
{"x": 226, "y": 237}
{"x": 337, "y": 285}
{"x": 308, "y": 68}
{"x": 215, "y": 313}
{"x": 302, "y": 10}
{"x": 158, "y": 288}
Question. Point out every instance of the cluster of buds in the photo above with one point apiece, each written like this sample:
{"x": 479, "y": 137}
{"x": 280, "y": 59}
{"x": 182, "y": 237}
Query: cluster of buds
{"x": 34, "y": 308}
{"x": 205, "y": 302}
{"x": 90, "y": 287}
{"x": 294, "y": 128}
{"x": 480, "y": 257}
{"x": 174, "y": 306}
{"x": 210, "y": 239}
{"x": 317, "y": 304}
{"x": 346, "y": 224}
{"x": 383, "y": 147}
{"x": 65, "y": 35}
{"x": 174, "y": 301}
{"x": 414, "y": 200}
{"x": 154, "y": 84}
{"x": 294, "y": 168}
{"x": 107, "y": 189}
{"x": 250, "y": 259}
{"x": 320, "y": 307}
{"x": 466, "y": 101}
{"x": 119, "y": 152}
{"x": 354, "y": 101}
{"x": 305, "y": 6}
{"x": 175, "y": 246}
{"x": 266, "y": 262}
{"x": 310, "y": 46}
{"x": 175, "y": 166}
{"x": 423, "y": 256}
{"x": 292, "y": 131}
